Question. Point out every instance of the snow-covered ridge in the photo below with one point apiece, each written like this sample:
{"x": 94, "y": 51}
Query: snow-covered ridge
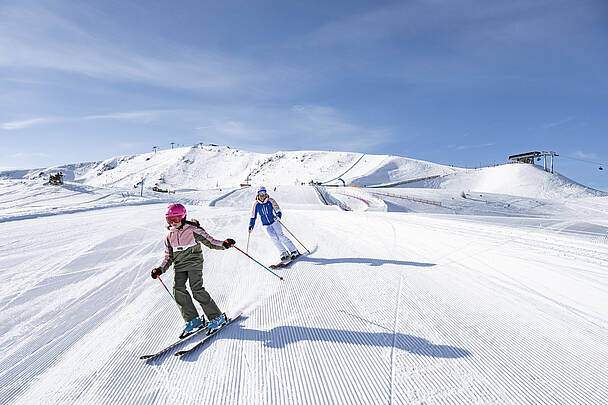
{"x": 204, "y": 167}
{"x": 212, "y": 167}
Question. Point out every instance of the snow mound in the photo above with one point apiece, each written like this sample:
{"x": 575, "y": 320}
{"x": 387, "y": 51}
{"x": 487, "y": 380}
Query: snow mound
{"x": 391, "y": 170}
{"x": 522, "y": 180}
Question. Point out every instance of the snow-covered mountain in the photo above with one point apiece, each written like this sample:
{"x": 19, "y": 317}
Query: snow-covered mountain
{"x": 204, "y": 167}
{"x": 425, "y": 283}
{"x": 207, "y": 167}
{"x": 200, "y": 175}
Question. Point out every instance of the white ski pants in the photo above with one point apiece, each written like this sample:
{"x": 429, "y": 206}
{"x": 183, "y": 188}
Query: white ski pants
{"x": 275, "y": 231}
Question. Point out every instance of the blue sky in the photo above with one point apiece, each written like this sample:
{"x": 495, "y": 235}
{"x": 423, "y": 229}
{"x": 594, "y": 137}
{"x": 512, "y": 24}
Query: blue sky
{"x": 450, "y": 81}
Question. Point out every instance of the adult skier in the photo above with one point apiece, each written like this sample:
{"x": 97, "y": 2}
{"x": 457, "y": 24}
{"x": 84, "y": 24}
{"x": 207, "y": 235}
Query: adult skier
{"x": 269, "y": 210}
{"x": 183, "y": 250}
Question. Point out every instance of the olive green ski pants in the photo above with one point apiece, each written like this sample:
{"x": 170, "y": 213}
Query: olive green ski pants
{"x": 184, "y": 300}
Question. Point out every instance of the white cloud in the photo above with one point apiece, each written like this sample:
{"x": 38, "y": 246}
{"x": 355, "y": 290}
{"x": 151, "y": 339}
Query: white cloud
{"x": 41, "y": 39}
{"x": 583, "y": 155}
{"x": 29, "y": 155}
{"x": 321, "y": 122}
{"x": 127, "y": 145}
{"x": 298, "y": 127}
{"x": 559, "y": 123}
{"x": 466, "y": 22}
{"x": 13, "y": 125}
{"x": 477, "y": 146}
{"x": 235, "y": 129}
{"x": 457, "y": 43}
{"x": 134, "y": 116}
{"x": 142, "y": 117}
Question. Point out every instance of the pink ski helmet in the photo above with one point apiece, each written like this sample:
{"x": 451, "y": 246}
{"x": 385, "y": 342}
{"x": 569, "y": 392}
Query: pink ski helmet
{"x": 176, "y": 211}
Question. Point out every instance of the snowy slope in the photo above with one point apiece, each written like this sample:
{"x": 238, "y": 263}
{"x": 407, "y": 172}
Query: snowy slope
{"x": 388, "y": 308}
{"x": 205, "y": 167}
{"x": 502, "y": 303}
{"x": 384, "y": 170}
{"x": 219, "y": 167}
{"x": 513, "y": 179}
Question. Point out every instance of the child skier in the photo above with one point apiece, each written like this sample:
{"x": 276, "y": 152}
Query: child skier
{"x": 269, "y": 210}
{"x": 182, "y": 249}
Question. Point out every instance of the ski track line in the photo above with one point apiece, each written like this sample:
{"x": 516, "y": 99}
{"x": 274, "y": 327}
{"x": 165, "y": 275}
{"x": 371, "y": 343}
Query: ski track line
{"x": 459, "y": 252}
{"x": 355, "y": 355}
{"x": 75, "y": 302}
{"x": 444, "y": 330}
{"x": 312, "y": 355}
{"x": 549, "y": 361}
{"x": 44, "y": 363}
{"x": 300, "y": 350}
{"x": 44, "y": 327}
{"x": 392, "y": 397}
{"x": 144, "y": 251}
{"x": 334, "y": 374}
{"x": 60, "y": 263}
{"x": 281, "y": 382}
{"x": 338, "y": 288}
{"x": 347, "y": 170}
{"x": 542, "y": 249}
{"x": 49, "y": 358}
{"x": 529, "y": 238}
{"x": 69, "y": 331}
{"x": 517, "y": 285}
{"x": 521, "y": 372}
{"x": 488, "y": 266}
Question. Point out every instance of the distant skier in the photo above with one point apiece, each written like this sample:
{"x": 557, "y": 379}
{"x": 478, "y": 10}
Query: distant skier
{"x": 183, "y": 250}
{"x": 269, "y": 210}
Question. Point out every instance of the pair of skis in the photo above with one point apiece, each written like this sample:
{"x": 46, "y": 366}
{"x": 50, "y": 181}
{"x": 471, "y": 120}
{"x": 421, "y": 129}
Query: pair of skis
{"x": 284, "y": 263}
{"x": 191, "y": 348}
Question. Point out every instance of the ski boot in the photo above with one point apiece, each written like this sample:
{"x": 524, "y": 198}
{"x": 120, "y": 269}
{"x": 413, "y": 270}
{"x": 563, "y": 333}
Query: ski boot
{"x": 295, "y": 254}
{"x": 285, "y": 257}
{"x": 192, "y": 326}
{"x": 216, "y": 323}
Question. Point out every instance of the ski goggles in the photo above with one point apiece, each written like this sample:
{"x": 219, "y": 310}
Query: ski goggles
{"x": 262, "y": 192}
{"x": 174, "y": 220}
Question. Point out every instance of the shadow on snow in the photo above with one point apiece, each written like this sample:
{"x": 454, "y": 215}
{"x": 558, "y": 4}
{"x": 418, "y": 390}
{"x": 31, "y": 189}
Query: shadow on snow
{"x": 362, "y": 260}
{"x": 282, "y": 336}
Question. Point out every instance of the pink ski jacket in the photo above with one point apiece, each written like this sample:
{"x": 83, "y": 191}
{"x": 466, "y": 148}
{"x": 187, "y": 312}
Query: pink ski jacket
{"x": 183, "y": 249}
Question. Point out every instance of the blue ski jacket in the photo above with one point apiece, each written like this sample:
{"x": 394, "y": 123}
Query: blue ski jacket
{"x": 267, "y": 210}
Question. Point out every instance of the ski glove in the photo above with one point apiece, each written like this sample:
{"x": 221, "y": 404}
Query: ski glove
{"x": 228, "y": 243}
{"x": 156, "y": 272}
{"x": 250, "y": 229}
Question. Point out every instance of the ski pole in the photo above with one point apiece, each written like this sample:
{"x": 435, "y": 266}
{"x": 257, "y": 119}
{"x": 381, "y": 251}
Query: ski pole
{"x": 279, "y": 220}
{"x": 161, "y": 281}
{"x": 248, "y": 236}
{"x": 237, "y": 248}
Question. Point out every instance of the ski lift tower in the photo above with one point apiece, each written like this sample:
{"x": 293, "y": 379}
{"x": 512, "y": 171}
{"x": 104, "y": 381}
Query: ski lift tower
{"x": 529, "y": 158}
